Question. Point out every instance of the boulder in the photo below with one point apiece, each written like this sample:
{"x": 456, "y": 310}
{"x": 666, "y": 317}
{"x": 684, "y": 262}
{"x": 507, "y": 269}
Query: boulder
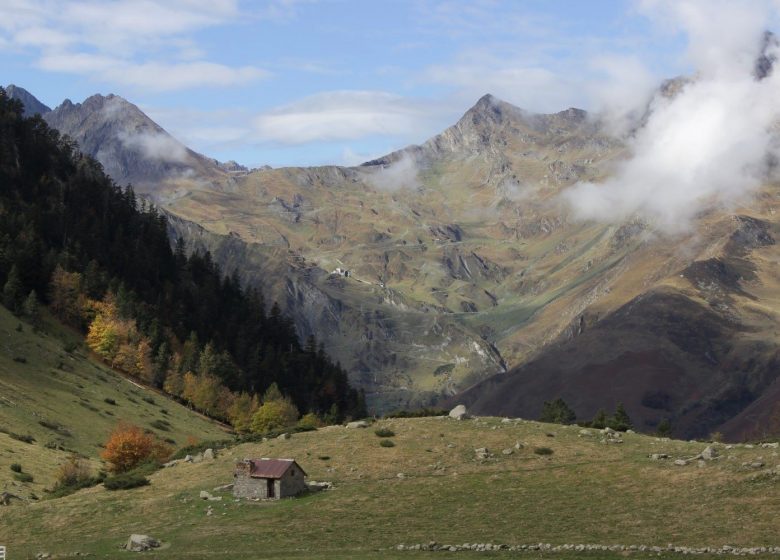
{"x": 507, "y": 451}
{"x": 208, "y": 454}
{"x": 709, "y": 453}
{"x": 197, "y": 458}
{"x": 140, "y": 543}
{"x": 586, "y": 433}
{"x": 681, "y": 462}
{"x": 188, "y": 459}
{"x": 285, "y": 435}
{"x": 358, "y": 424}
{"x": 459, "y": 412}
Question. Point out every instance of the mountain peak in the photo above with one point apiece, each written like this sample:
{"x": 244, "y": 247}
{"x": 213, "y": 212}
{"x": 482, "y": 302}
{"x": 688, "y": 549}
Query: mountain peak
{"x": 32, "y": 106}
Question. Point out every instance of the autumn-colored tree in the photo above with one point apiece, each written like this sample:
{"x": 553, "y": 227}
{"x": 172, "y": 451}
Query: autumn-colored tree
{"x": 144, "y": 365}
{"x": 241, "y": 411}
{"x": 310, "y": 421}
{"x": 65, "y": 295}
{"x": 128, "y": 446}
{"x": 174, "y": 383}
{"x": 274, "y": 415}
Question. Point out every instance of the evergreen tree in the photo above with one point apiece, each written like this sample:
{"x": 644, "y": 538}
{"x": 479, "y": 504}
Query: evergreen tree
{"x": 557, "y": 412}
{"x": 13, "y": 291}
{"x": 599, "y": 420}
{"x": 32, "y": 310}
{"x": 620, "y": 420}
{"x": 664, "y": 428}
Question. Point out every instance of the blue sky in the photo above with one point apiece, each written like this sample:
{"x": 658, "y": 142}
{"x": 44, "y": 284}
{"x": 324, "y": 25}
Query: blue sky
{"x": 291, "y": 82}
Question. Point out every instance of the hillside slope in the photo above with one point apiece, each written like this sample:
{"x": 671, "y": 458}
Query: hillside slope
{"x": 52, "y": 390}
{"x": 431, "y": 486}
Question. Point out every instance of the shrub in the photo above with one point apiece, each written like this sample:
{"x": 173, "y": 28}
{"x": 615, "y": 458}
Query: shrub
{"x": 22, "y": 437}
{"x": 620, "y": 420}
{"x": 110, "y": 401}
{"x": 23, "y": 477}
{"x": 386, "y": 443}
{"x": 70, "y": 347}
{"x": 55, "y": 427}
{"x": 20, "y": 359}
{"x": 161, "y": 425}
{"x": 125, "y": 481}
{"x": 310, "y": 421}
{"x": 149, "y": 400}
{"x": 384, "y": 432}
{"x": 16, "y": 467}
{"x": 324, "y": 457}
{"x": 543, "y": 451}
{"x": 129, "y": 446}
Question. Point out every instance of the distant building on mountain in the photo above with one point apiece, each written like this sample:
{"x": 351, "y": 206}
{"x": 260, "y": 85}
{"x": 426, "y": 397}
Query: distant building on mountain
{"x": 268, "y": 479}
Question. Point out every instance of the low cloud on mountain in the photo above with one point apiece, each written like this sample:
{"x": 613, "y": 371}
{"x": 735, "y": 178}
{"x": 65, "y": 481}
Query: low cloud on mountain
{"x": 708, "y": 143}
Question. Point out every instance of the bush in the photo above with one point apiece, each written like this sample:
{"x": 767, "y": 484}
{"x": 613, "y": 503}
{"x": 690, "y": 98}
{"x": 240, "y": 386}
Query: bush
{"x": 323, "y": 457}
{"x": 16, "y": 467}
{"x": 384, "y": 432}
{"x": 386, "y": 443}
{"x": 70, "y": 347}
{"x": 125, "y": 481}
{"x": 129, "y": 446}
{"x": 74, "y": 475}
{"x": 112, "y": 402}
{"x": 149, "y": 400}
{"x": 543, "y": 451}
{"x": 23, "y": 477}
{"x": 310, "y": 421}
{"x": 20, "y": 359}
{"x": 22, "y": 437}
{"x": 161, "y": 425}
{"x": 55, "y": 427}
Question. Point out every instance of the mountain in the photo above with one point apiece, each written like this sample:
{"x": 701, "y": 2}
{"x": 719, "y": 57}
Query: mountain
{"x": 31, "y": 104}
{"x": 131, "y": 147}
{"x": 465, "y": 273}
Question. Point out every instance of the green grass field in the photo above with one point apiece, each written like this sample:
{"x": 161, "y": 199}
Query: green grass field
{"x": 585, "y": 492}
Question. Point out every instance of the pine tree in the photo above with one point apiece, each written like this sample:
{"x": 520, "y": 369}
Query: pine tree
{"x": 664, "y": 428}
{"x": 32, "y": 310}
{"x": 620, "y": 420}
{"x": 557, "y": 412}
{"x": 13, "y": 291}
{"x": 599, "y": 420}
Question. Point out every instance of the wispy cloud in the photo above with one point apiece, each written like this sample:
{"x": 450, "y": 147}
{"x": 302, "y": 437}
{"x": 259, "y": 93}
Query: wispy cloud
{"x": 145, "y": 44}
{"x": 341, "y": 115}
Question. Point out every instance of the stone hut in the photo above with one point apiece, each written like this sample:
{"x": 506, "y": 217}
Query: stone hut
{"x": 268, "y": 479}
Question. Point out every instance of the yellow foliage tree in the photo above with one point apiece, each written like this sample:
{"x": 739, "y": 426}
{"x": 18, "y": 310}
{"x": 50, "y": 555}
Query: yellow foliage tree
{"x": 274, "y": 415}
{"x": 174, "y": 383}
{"x": 241, "y": 411}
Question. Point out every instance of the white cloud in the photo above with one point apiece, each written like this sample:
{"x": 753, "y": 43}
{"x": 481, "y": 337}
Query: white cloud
{"x": 143, "y": 44}
{"x": 341, "y": 115}
{"x": 401, "y": 174}
{"x": 158, "y": 146}
{"x": 708, "y": 145}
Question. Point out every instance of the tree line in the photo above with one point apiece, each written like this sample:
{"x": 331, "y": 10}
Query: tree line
{"x": 100, "y": 257}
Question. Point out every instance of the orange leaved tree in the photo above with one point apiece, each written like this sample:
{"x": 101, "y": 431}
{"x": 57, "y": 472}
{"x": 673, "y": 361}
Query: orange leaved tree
{"x": 128, "y": 446}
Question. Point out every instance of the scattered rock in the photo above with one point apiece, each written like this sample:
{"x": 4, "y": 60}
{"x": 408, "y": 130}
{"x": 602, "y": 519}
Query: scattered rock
{"x": 709, "y": 453}
{"x": 6, "y": 497}
{"x": 358, "y": 424}
{"x": 519, "y": 445}
{"x": 208, "y": 454}
{"x": 401, "y": 475}
{"x": 585, "y": 433}
{"x": 187, "y": 459}
{"x": 204, "y": 495}
{"x": 681, "y": 462}
{"x": 197, "y": 458}
{"x": 285, "y": 435}
{"x": 507, "y": 451}
{"x": 314, "y": 486}
{"x": 482, "y": 453}
{"x": 658, "y": 456}
{"x": 773, "y": 445}
{"x": 459, "y": 413}
{"x": 172, "y": 463}
{"x": 140, "y": 543}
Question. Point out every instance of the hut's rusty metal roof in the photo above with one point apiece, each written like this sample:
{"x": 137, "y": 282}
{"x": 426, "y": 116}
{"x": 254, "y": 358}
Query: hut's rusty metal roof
{"x": 271, "y": 468}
